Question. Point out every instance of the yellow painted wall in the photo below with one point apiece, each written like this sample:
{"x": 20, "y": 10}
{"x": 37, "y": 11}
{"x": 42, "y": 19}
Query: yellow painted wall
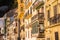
{"x": 50, "y": 31}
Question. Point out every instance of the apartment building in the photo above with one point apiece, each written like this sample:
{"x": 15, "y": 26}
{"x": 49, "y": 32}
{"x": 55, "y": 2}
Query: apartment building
{"x": 38, "y": 20}
{"x": 10, "y": 24}
{"x": 27, "y": 19}
{"x": 20, "y": 18}
{"x": 52, "y": 19}
{"x": 2, "y": 25}
{"x": 12, "y": 32}
{"x": 33, "y": 12}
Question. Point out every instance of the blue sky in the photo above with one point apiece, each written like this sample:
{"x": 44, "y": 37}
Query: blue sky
{"x": 1, "y": 22}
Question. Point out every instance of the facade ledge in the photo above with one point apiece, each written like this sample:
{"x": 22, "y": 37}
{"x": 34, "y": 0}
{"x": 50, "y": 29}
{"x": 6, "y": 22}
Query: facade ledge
{"x": 54, "y": 25}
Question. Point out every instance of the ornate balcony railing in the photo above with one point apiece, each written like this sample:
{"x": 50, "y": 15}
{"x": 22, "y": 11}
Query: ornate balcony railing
{"x": 35, "y": 27}
{"x": 38, "y": 3}
{"x": 58, "y": 18}
{"x": 34, "y": 17}
{"x": 41, "y": 35}
{"x": 15, "y": 31}
{"x": 41, "y": 17}
{"x": 55, "y": 19}
{"x": 22, "y": 28}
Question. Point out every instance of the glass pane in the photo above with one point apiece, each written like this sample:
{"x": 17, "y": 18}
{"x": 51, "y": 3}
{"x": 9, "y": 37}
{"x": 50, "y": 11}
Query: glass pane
{"x": 35, "y": 28}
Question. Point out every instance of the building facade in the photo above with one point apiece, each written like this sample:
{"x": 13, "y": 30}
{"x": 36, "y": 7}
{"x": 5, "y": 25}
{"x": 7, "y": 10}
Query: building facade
{"x": 27, "y": 19}
{"x": 2, "y": 25}
{"x": 38, "y": 18}
{"x": 52, "y": 16}
{"x": 33, "y": 12}
{"x": 20, "y": 17}
{"x": 10, "y": 25}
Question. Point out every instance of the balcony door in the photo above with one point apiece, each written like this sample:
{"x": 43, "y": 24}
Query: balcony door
{"x": 56, "y": 36}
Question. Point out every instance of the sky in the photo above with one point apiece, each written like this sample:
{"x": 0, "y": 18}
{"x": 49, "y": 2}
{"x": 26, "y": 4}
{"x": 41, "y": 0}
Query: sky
{"x": 1, "y": 22}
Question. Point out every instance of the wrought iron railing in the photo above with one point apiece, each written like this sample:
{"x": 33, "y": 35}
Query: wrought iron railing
{"x": 41, "y": 35}
{"x": 55, "y": 19}
{"x": 58, "y": 18}
{"x": 35, "y": 27}
{"x": 41, "y": 17}
{"x": 34, "y": 17}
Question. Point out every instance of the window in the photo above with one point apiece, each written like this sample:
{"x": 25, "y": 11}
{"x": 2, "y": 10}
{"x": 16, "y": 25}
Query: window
{"x": 54, "y": 19}
{"x": 35, "y": 28}
{"x": 16, "y": 24}
{"x": 41, "y": 25}
{"x": 23, "y": 38}
{"x": 48, "y": 14}
{"x": 28, "y": 12}
{"x": 48, "y": 38}
{"x": 22, "y": 28}
{"x": 55, "y": 10}
{"x": 26, "y": 2}
{"x": 42, "y": 9}
{"x": 26, "y": 34}
{"x": 40, "y": 15}
{"x": 15, "y": 30}
{"x": 56, "y": 36}
{"x": 21, "y": 8}
{"x": 23, "y": 20}
{"x": 21, "y": 1}
{"x": 31, "y": 10}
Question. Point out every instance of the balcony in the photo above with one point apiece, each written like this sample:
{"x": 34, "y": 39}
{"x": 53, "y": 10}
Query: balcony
{"x": 35, "y": 27}
{"x": 22, "y": 28}
{"x": 41, "y": 17}
{"x": 41, "y": 30}
{"x": 55, "y": 19}
{"x": 29, "y": 16}
{"x": 38, "y": 3}
{"x": 35, "y": 17}
{"x": 58, "y": 18}
{"x": 41, "y": 35}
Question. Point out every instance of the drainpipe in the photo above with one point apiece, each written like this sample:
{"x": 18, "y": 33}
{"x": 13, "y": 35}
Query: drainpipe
{"x": 5, "y": 27}
{"x": 19, "y": 29}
